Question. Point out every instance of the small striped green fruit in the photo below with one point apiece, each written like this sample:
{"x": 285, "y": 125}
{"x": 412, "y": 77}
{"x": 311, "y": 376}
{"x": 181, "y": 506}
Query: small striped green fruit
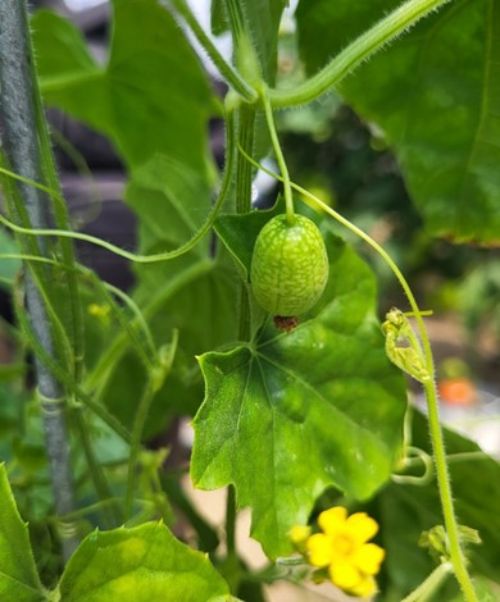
{"x": 289, "y": 268}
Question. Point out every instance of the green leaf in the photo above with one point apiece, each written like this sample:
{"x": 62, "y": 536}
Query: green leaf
{"x": 18, "y": 575}
{"x": 152, "y": 96}
{"x": 434, "y": 93}
{"x": 406, "y": 511}
{"x": 61, "y": 49}
{"x": 292, "y": 414}
{"x": 262, "y": 19}
{"x": 138, "y": 565}
{"x": 239, "y": 234}
{"x": 171, "y": 200}
{"x": 218, "y": 21}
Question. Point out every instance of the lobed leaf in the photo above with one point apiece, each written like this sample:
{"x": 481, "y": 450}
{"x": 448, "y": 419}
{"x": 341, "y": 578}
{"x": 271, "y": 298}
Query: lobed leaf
{"x": 292, "y": 414}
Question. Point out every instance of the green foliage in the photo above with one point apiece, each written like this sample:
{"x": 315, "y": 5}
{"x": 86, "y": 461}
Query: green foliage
{"x": 18, "y": 576}
{"x": 137, "y": 565}
{"x": 405, "y": 511}
{"x": 281, "y": 416}
{"x": 287, "y": 417}
{"x": 152, "y": 77}
{"x": 433, "y": 93}
{"x": 261, "y": 19}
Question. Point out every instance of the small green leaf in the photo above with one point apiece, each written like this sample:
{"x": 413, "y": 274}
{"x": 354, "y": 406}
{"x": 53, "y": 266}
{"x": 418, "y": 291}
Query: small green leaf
{"x": 18, "y": 575}
{"x": 435, "y": 94}
{"x": 239, "y": 233}
{"x": 139, "y": 565}
{"x": 294, "y": 413}
{"x": 152, "y": 96}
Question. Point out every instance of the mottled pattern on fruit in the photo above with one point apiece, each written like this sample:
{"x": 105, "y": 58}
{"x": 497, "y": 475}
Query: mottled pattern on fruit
{"x": 289, "y": 266}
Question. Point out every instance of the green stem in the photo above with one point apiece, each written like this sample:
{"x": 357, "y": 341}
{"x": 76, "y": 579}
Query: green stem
{"x": 381, "y": 34}
{"x": 246, "y": 130}
{"x": 98, "y": 477}
{"x": 246, "y": 114}
{"x": 429, "y": 587}
{"x": 135, "y": 444}
{"x": 230, "y": 74}
{"x": 60, "y": 211}
{"x": 231, "y": 521}
{"x": 244, "y": 173}
{"x": 139, "y": 421}
{"x": 236, "y": 19}
{"x": 279, "y": 156}
{"x": 439, "y": 453}
{"x": 23, "y": 138}
{"x": 443, "y": 478}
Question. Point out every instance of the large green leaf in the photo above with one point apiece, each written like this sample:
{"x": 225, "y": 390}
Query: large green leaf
{"x": 152, "y": 96}
{"x": 291, "y": 414}
{"x": 139, "y": 565}
{"x": 18, "y": 575}
{"x": 435, "y": 94}
{"x": 407, "y": 510}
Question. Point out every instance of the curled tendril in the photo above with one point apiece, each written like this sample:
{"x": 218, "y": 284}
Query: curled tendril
{"x": 415, "y": 454}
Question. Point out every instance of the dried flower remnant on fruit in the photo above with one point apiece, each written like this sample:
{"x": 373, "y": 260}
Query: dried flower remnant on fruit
{"x": 286, "y": 323}
{"x": 341, "y": 551}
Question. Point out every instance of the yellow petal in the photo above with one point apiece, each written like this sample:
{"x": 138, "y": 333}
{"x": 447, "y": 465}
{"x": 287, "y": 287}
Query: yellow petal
{"x": 319, "y": 550}
{"x": 366, "y": 587}
{"x": 299, "y": 534}
{"x": 345, "y": 575}
{"x": 362, "y": 526}
{"x": 330, "y": 520}
{"x": 368, "y": 558}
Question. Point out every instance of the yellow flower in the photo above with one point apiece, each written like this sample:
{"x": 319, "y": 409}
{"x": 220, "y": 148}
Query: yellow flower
{"x": 343, "y": 550}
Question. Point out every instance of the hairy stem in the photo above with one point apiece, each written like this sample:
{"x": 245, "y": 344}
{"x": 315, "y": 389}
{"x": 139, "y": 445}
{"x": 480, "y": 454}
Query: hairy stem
{"x": 382, "y": 33}
{"x": 21, "y": 127}
{"x": 268, "y": 110}
{"x": 232, "y": 77}
{"x": 429, "y": 587}
{"x": 140, "y": 420}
